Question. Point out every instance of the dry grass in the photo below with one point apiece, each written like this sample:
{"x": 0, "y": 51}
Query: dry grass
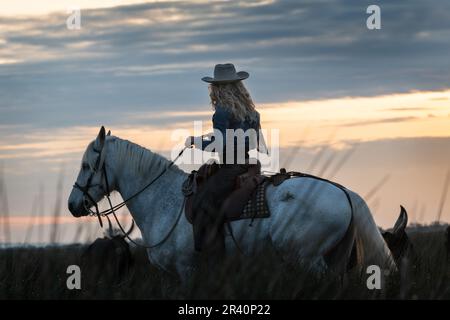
{"x": 40, "y": 273}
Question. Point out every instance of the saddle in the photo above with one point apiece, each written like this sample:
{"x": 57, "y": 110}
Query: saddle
{"x": 246, "y": 201}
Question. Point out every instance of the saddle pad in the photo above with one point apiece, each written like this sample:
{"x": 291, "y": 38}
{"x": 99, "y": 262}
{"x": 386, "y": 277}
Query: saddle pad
{"x": 256, "y": 206}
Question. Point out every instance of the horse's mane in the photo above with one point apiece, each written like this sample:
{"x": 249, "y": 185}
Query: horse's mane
{"x": 138, "y": 157}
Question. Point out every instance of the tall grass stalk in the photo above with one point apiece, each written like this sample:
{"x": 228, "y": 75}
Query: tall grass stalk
{"x": 4, "y": 207}
{"x": 443, "y": 196}
{"x": 58, "y": 208}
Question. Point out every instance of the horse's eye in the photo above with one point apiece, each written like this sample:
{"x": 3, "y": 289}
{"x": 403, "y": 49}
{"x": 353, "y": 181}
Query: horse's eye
{"x": 85, "y": 166}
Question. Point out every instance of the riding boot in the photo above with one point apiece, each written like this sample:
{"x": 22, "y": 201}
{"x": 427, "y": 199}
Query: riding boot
{"x": 200, "y": 228}
{"x": 215, "y": 247}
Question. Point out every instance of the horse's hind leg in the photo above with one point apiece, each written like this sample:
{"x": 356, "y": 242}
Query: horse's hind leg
{"x": 338, "y": 257}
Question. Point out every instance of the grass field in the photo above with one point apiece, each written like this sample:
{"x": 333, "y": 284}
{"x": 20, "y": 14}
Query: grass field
{"x": 40, "y": 273}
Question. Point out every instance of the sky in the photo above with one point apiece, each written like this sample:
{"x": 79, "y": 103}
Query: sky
{"x": 367, "y": 108}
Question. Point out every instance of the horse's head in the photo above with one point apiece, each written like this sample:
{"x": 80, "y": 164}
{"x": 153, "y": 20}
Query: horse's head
{"x": 91, "y": 184}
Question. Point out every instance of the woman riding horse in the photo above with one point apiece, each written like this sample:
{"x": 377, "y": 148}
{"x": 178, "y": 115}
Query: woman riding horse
{"x": 234, "y": 110}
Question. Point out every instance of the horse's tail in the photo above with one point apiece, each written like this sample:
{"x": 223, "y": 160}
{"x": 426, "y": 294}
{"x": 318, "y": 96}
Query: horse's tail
{"x": 370, "y": 245}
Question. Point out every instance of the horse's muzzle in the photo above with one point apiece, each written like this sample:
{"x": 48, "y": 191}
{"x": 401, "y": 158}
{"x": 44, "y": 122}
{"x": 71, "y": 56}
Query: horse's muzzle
{"x": 77, "y": 210}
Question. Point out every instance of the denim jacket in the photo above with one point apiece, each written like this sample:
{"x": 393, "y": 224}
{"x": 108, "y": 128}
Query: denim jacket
{"x": 222, "y": 120}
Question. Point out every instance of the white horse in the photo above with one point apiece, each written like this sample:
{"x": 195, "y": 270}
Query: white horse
{"x": 307, "y": 215}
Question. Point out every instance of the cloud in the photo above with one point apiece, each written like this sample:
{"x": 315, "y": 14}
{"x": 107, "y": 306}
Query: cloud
{"x": 377, "y": 121}
{"x": 408, "y": 109}
{"x": 440, "y": 99}
{"x": 151, "y": 56}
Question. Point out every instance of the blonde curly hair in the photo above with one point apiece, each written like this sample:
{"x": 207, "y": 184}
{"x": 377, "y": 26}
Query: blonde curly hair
{"x": 235, "y": 97}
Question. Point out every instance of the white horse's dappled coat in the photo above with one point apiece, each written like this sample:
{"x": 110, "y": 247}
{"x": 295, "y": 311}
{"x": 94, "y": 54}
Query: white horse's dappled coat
{"x": 308, "y": 216}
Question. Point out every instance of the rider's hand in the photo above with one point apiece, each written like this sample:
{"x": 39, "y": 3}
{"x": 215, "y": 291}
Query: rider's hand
{"x": 189, "y": 142}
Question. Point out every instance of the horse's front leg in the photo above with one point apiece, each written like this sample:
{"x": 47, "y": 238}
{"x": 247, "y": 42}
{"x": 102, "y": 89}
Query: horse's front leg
{"x": 187, "y": 263}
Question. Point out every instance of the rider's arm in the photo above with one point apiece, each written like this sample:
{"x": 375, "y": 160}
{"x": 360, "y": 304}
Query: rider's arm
{"x": 221, "y": 121}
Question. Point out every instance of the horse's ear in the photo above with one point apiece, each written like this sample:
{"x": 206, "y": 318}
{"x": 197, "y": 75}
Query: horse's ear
{"x": 100, "y": 141}
{"x": 109, "y": 133}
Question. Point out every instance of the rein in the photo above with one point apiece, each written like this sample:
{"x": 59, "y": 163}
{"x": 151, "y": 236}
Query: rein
{"x": 112, "y": 209}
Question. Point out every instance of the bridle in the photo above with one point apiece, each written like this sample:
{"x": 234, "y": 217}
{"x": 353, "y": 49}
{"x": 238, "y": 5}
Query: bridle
{"x": 101, "y": 165}
{"x": 85, "y": 189}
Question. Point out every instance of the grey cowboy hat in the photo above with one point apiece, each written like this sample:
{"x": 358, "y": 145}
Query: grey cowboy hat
{"x": 226, "y": 73}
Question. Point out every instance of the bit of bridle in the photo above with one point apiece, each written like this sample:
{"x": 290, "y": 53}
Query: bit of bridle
{"x": 100, "y": 165}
